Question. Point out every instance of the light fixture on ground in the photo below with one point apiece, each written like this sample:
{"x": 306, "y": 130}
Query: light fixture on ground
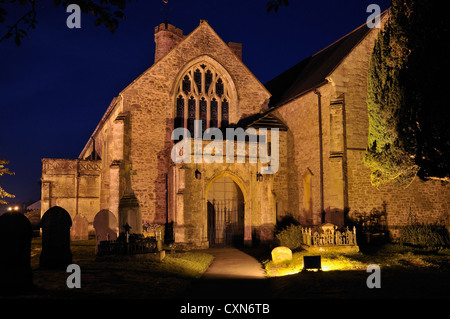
{"x": 312, "y": 263}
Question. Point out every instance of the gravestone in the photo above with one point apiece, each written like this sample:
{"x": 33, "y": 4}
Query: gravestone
{"x": 281, "y": 254}
{"x": 105, "y": 225}
{"x": 80, "y": 228}
{"x": 15, "y": 253}
{"x": 328, "y": 227}
{"x": 56, "y": 252}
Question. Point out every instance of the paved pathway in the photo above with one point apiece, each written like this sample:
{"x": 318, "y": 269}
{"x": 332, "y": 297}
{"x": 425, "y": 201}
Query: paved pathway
{"x": 233, "y": 274}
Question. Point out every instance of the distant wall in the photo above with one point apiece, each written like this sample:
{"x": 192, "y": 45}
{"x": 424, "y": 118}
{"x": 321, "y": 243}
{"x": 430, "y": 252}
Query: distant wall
{"x": 72, "y": 184}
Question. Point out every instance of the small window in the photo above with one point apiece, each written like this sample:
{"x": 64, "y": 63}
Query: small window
{"x": 224, "y": 123}
{"x": 186, "y": 84}
{"x": 203, "y": 113}
{"x": 191, "y": 115}
{"x": 198, "y": 80}
{"x": 208, "y": 80}
{"x": 179, "y": 120}
{"x": 214, "y": 114}
{"x": 219, "y": 87}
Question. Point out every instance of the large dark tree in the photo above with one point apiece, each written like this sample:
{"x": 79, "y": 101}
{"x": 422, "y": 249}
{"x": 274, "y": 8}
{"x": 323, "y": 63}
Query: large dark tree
{"x": 409, "y": 133}
{"x": 106, "y": 12}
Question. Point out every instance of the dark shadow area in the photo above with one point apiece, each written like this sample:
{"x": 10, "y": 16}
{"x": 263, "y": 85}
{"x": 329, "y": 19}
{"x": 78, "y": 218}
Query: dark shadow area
{"x": 371, "y": 227}
{"x": 285, "y": 222}
{"x": 229, "y": 288}
{"x": 396, "y": 283}
{"x": 259, "y": 252}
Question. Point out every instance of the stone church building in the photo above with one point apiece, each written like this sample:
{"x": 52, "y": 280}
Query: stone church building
{"x": 318, "y": 106}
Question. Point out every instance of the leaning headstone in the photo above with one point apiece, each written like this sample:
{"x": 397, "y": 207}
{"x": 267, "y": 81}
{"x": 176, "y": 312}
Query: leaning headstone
{"x": 15, "y": 253}
{"x": 105, "y": 225}
{"x": 80, "y": 228}
{"x": 281, "y": 254}
{"x": 56, "y": 252}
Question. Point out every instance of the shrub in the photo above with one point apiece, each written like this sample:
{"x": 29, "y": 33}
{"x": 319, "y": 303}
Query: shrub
{"x": 427, "y": 235}
{"x": 285, "y": 221}
{"x": 290, "y": 237}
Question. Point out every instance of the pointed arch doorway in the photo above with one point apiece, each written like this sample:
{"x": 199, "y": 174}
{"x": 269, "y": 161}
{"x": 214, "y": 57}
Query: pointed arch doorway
{"x": 225, "y": 213}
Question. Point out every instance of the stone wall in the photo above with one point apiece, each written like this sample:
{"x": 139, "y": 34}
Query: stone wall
{"x": 71, "y": 184}
{"x": 422, "y": 201}
{"x": 346, "y": 181}
{"x": 303, "y": 159}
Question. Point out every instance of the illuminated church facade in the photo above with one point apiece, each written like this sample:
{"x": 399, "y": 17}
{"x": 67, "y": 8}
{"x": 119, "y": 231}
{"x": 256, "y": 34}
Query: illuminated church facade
{"x": 317, "y": 107}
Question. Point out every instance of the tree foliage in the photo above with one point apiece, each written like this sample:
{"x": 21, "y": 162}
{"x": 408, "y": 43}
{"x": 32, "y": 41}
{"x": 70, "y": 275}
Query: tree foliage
{"x": 107, "y": 12}
{"x": 275, "y": 5}
{"x": 4, "y": 170}
{"x": 408, "y": 114}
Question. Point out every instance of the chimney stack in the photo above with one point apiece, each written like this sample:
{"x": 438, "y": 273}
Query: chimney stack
{"x": 167, "y": 37}
{"x": 236, "y": 48}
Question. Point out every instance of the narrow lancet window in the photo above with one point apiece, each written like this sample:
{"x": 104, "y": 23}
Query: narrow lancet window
{"x": 198, "y": 80}
{"x": 219, "y": 87}
{"x": 191, "y": 115}
{"x": 179, "y": 120}
{"x": 224, "y": 123}
{"x": 214, "y": 114}
{"x": 186, "y": 84}
{"x": 208, "y": 80}
{"x": 203, "y": 113}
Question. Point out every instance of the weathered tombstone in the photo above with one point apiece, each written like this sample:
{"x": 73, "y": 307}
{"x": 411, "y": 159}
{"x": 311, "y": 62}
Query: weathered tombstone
{"x": 281, "y": 254}
{"x": 327, "y": 236}
{"x": 56, "y": 252}
{"x": 80, "y": 228}
{"x": 105, "y": 225}
{"x": 15, "y": 253}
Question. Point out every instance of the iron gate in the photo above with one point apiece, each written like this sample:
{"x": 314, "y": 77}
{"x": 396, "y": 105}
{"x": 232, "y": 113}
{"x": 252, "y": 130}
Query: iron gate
{"x": 225, "y": 222}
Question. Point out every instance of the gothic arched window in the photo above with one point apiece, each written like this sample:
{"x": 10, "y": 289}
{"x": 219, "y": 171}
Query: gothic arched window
{"x": 202, "y": 94}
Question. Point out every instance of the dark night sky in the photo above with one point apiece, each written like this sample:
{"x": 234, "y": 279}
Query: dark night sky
{"x": 56, "y": 86}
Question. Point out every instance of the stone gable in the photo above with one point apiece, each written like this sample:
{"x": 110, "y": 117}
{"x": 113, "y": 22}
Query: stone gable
{"x": 150, "y": 101}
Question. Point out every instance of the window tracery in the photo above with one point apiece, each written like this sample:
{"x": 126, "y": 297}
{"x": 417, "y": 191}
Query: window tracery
{"x": 202, "y": 94}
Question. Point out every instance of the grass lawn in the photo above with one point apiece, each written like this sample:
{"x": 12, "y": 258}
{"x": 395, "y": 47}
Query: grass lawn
{"x": 117, "y": 277}
{"x": 405, "y": 273}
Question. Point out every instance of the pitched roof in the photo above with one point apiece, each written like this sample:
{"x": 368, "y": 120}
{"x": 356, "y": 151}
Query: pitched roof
{"x": 262, "y": 120}
{"x": 312, "y": 71}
